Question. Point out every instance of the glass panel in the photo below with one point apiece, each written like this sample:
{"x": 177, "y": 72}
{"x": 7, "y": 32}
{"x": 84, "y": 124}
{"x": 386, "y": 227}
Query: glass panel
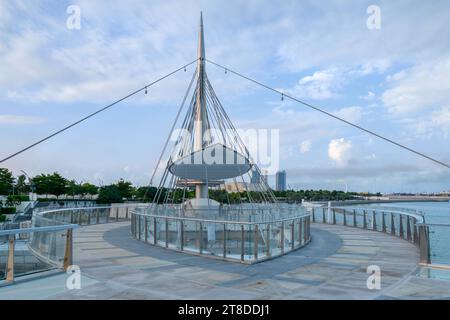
{"x": 359, "y": 218}
{"x": 393, "y": 223}
{"x": 248, "y": 242}
{"x": 233, "y": 244}
{"x": 103, "y": 215}
{"x": 44, "y": 251}
{"x": 172, "y": 233}
{"x": 191, "y": 236}
{"x": 161, "y": 235}
{"x": 142, "y": 227}
{"x": 297, "y": 242}
{"x": 439, "y": 242}
{"x": 275, "y": 239}
{"x": 214, "y": 239}
{"x": 148, "y": 230}
{"x": 3, "y": 256}
{"x": 288, "y": 236}
{"x": 369, "y": 220}
{"x": 263, "y": 243}
{"x": 403, "y": 217}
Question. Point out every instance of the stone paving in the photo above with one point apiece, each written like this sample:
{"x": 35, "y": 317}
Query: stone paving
{"x": 333, "y": 266}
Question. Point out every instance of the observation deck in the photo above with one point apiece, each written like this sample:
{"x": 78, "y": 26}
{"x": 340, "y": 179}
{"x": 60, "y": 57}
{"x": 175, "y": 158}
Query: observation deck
{"x": 333, "y": 266}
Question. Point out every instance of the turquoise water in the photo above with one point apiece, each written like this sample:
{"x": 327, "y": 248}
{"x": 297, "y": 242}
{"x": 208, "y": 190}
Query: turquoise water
{"x": 435, "y": 213}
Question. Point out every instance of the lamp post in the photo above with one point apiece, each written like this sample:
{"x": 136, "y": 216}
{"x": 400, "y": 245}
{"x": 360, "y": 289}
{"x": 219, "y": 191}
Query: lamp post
{"x": 32, "y": 187}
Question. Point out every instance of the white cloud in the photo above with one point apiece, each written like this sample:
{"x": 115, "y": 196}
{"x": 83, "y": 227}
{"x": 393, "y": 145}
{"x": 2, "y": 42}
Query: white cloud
{"x": 318, "y": 86}
{"x": 370, "y": 96}
{"x": 352, "y": 114}
{"x": 305, "y": 146}
{"x": 339, "y": 151}
{"x": 441, "y": 119}
{"x": 377, "y": 66}
{"x": 422, "y": 87}
{"x": 14, "y": 119}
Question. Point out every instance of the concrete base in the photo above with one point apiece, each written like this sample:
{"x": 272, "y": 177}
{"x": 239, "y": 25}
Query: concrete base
{"x": 201, "y": 204}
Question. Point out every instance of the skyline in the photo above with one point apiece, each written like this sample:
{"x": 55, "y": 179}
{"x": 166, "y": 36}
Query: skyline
{"x": 55, "y": 76}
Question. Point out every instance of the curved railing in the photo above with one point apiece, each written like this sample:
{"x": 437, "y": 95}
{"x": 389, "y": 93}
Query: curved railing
{"x": 439, "y": 237}
{"x": 31, "y": 250}
{"x": 48, "y": 244}
{"x": 408, "y": 225}
{"x": 227, "y": 239}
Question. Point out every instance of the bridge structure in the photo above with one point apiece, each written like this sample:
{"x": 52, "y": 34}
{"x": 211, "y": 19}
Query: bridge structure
{"x": 216, "y": 248}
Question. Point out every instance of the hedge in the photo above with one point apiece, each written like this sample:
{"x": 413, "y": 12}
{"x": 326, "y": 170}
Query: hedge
{"x": 18, "y": 198}
{"x": 7, "y": 210}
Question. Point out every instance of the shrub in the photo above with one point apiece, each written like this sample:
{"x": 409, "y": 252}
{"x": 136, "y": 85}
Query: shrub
{"x": 17, "y": 198}
{"x": 7, "y": 210}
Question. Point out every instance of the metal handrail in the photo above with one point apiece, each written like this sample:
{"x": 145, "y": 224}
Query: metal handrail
{"x": 39, "y": 229}
{"x": 417, "y": 215}
{"x": 220, "y": 221}
{"x": 92, "y": 207}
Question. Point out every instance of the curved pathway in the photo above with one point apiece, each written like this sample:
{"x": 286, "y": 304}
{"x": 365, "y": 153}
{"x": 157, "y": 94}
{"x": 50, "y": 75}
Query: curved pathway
{"x": 332, "y": 266}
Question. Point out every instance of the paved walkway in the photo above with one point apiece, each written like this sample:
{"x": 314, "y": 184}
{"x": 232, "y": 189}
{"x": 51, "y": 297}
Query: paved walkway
{"x": 332, "y": 266}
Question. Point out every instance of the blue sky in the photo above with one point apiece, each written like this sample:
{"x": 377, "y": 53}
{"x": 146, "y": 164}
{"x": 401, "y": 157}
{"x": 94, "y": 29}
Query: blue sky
{"x": 394, "y": 80}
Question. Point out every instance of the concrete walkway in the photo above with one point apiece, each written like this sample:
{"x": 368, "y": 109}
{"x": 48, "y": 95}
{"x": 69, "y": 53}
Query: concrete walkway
{"x": 333, "y": 266}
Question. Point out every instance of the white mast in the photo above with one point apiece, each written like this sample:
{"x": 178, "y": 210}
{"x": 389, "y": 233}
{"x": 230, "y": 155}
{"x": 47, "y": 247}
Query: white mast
{"x": 201, "y": 190}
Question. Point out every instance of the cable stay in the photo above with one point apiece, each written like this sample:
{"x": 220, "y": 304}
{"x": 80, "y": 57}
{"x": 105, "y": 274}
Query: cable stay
{"x": 145, "y": 88}
{"x": 329, "y": 114}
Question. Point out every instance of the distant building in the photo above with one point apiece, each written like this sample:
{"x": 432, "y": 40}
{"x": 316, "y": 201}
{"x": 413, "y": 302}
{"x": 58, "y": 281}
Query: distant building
{"x": 256, "y": 177}
{"x": 238, "y": 187}
{"x": 264, "y": 178}
{"x": 280, "y": 181}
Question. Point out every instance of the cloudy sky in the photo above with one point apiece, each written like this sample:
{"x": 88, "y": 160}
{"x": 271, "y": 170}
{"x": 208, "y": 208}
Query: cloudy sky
{"x": 393, "y": 80}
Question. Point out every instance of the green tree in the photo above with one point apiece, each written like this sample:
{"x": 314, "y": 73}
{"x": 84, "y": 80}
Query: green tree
{"x": 125, "y": 188}
{"x": 73, "y": 188}
{"x": 50, "y": 184}
{"x": 6, "y": 181}
{"x": 57, "y": 184}
{"x": 109, "y": 194}
{"x": 89, "y": 189}
{"x": 41, "y": 183}
{"x": 21, "y": 185}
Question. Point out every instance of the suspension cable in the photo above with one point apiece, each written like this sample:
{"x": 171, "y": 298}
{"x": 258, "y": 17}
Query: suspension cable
{"x": 329, "y": 114}
{"x": 96, "y": 112}
{"x": 172, "y": 128}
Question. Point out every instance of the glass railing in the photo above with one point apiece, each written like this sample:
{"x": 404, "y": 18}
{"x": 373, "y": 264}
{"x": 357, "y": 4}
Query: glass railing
{"x": 405, "y": 224}
{"x": 48, "y": 244}
{"x": 439, "y": 243}
{"x": 233, "y": 240}
{"x": 86, "y": 215}
{"x": 31, "y": 250}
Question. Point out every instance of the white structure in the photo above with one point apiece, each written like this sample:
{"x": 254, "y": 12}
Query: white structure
{"x": 212, "y": 154}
